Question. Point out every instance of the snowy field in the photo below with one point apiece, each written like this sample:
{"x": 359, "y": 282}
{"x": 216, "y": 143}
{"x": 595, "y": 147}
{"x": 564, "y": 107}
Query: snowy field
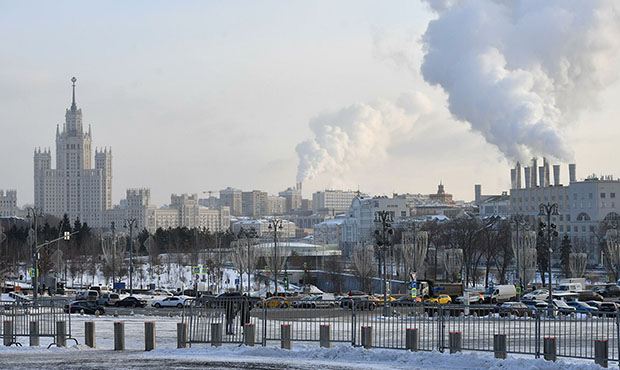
{"x": 302, "y": 356}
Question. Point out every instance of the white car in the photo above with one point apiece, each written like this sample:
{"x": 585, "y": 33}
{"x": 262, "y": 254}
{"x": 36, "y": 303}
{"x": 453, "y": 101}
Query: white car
{"x": 169, "y": 302}
{"x": 537, "y": 295}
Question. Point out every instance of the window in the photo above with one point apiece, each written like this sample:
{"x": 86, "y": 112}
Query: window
{"x": 602, "y": 195}
{"x": 590, "y": 195}
{"x": 612, "y": 195}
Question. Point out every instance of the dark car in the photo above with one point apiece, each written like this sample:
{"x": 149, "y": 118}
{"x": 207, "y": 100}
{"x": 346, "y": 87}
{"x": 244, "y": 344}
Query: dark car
{"x": 131, "y": 302}
{"x": 583, "y": 307}
{"x": 518, "y": 309}
{"x": 405, "y": 301}
{"x": 360, "y": 303}
{"x": 589, "y": 295}
{"x": 608, "y": 291}
{"x": 86, "y": 307}
{"x": 608, "y": 308}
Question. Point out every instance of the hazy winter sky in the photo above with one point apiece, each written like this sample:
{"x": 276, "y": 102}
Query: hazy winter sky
{"x": 196, "y": 96}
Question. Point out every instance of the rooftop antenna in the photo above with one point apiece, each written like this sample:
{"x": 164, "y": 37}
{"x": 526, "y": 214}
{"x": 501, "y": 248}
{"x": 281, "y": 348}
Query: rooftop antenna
{"x": 73, "y": 80}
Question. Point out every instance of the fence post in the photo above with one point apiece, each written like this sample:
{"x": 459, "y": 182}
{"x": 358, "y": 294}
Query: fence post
{"x": 411, "y": 339}
{"x": 249, "y": 334}
{"x": 181, "y": 335}
{"x": 549, "y": 348}
{"x": 537, "y": 334}
{"x": 149, "y": 335}
{"x": 264, "y": 342}
{"x": 285, "y": 336}
{"x": 442, "y": 329}
{"x": 353, "y": 324}
{"x": 119, "y": 336}
{"x": 455, "y": 340}
{"x": 601, "y": 352}
{"x": 34, "y": 333}
{"x": 499, "y": 345}
{"x": 324, "y": 337}
{"x": 7, "y": 332}
{"x": 61, "y": 333}
{"x": 367, "y": 336}
{"x": 89, "y": 333}
{"x": 216, "y": 334}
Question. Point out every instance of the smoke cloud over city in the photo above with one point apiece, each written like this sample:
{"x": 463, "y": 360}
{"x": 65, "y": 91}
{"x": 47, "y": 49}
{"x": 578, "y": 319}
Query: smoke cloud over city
{"x": 521, "y": 71}
{"x": 356, "y": 133}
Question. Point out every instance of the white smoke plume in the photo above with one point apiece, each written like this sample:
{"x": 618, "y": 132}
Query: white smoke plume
{"x": 357, "y": 133}
{"x": 519, "y": 71}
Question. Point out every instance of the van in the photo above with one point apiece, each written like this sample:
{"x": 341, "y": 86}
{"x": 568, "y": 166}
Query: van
{"x": 570, "y": 287}
{"x": 500, "y": 293}
{"x": 87, "y": 295}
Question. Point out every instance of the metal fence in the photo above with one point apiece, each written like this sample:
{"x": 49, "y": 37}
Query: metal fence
{"x": 478, "y": 324}
{"x": 17, "y": 317}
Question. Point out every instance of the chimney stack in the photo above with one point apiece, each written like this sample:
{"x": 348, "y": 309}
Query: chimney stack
{"x": 556, "y": 175}
{"x": 547, "y": 172}
{"x": 541, "y": 175}
{"x": 477, "y": 193}
{"x": 534, "y": 168}
{"x": 513, "y": 178}
{"x": 518, "y": 177}
{"x": 572, "y": 173}
{"x": 528, "y": 179}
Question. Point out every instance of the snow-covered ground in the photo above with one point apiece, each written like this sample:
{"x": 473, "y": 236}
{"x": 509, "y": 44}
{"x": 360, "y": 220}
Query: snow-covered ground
{"x": 238, "y": 357}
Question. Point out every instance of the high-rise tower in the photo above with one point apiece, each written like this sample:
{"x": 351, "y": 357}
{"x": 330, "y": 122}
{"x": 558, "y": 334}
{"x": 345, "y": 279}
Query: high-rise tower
{"x": 74, "y": 187}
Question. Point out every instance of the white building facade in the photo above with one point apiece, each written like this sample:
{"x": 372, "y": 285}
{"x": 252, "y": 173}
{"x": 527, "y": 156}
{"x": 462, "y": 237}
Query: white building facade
{"x": 8, "y": 203}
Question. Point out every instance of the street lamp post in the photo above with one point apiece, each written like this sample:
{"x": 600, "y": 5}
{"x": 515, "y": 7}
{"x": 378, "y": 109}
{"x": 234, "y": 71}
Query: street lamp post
{"x": 34, "y": 213}
{"x": 130, "y": 223}
{"x": 519, "y": 222}
{"x": 275, "y": 225}
{"x": 548, "y": 210}
{"x": 383, "y": 235}
{"x": 113, "y": 227}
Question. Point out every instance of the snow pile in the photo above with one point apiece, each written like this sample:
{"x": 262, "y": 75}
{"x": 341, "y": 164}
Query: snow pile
{"x": 355, "y": 357}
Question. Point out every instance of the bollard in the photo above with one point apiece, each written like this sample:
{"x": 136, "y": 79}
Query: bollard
{"x": 181, "y": 335}
{"x": 549, "y": 348}
{"x": 34, "y": 333}
{"x": 367, "y": 336}
{"x": 89, "y": 333}
{"x": 216, "y": 334}
{"x": 119, "y": 336}
{"x": 324, "y": 337}
{"x": 61, "y": 333}
{"x": 601, "y": 352}
{"x": 249, "y": 335}
{"x": 285, "y": 336}
{"x": 7, "y": 332}
{"x": 455, "y": 339}
{"x": 411, "y": 339}
{"x": 499, "y": 345}
{"x": 149, "y": 335}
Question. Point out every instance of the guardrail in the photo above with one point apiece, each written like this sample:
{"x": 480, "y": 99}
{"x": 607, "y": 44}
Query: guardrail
{"x": 410, "y": 326}
{"x": 46, "y": 319}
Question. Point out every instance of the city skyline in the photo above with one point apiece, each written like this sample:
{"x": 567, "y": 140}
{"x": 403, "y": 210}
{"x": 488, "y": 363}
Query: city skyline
{"x": 190, "y": 112}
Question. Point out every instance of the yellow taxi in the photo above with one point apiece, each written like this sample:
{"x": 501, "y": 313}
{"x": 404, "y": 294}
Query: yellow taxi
{"x": 440, "y": 299}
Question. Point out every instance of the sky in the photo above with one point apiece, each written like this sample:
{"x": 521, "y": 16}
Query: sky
{"x": 195, "y": 96}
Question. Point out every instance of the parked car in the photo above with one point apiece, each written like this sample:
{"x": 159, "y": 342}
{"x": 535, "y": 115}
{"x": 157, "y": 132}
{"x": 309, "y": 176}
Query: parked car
{"x": 440, "y": 299}
{"x": 174, "y": 301}
{"x": 87, "y": 295}
{"x": 86, "y": 307}
{"x": 537, "y": 295}
{"x": 314, "y": 301}
{"x": 583, "y": 307}
{"x": 275, "y": 302}
{"x": 108, "y": 299}
{"x": 514, "y": 309}
{"x": 589, "y": 295}
{"x": 359, "y": 302}
{"x": 405, "y": 301}
{"x": 608, "y": 291}
{"x": 608, "y": 308}
{"x": 474, "y": 298}
{"x": 562, "y": 307}
{"x": 131, "y": 302}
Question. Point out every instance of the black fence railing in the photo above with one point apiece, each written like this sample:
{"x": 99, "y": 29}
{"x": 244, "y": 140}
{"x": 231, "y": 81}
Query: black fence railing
{"x": 524, "y": 329}
{"x": 17, "y": 317}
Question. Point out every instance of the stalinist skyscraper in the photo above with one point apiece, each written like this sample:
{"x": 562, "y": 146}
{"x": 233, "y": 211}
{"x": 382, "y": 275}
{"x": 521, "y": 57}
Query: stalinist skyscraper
{"x": 74, "y": 187}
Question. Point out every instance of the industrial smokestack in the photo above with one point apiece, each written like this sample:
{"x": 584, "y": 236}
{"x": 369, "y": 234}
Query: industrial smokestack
{"x": 477, "y": 193}
{"x": 556, "y": 175}
{"x": 518, "y": 177}
{"x": 534, "y": 168}
{"x": 528, "y": 179}
{"x": 547, "y": 172}
{"x": 572, "y": 173}
{"x": 541, "y": 175}
{"x": 513, "y": 178}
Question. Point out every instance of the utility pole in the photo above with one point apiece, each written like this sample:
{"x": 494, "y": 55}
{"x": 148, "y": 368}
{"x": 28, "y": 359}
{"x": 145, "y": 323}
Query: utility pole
{"x": 130, "y": 223}
{"x": 113, "y": 227}
{"x": 34, "y": 213}
{"x": 549, "y": 209}
{"x": 383, "y": 234}
{"x": 275, "y": 225}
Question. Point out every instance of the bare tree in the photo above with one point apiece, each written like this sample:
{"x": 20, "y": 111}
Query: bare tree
{"x": 413, "y": 251}
{"x": 362, "y": 261}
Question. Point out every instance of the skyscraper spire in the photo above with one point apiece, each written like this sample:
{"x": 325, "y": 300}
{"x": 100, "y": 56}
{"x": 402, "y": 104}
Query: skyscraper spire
{"x": 73, "y": 106}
